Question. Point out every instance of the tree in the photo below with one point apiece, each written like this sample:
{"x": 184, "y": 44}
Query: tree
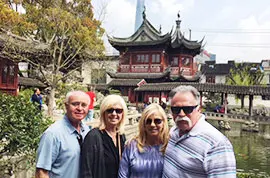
{"x": 21, "y": 126}
{"x": 66, "y": 30}
{"x": 244, "y": 74}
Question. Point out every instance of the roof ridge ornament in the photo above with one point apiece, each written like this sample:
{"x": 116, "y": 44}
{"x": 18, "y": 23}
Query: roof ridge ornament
{"x": 178, "y": 21}
{"x": 143, "y": 14}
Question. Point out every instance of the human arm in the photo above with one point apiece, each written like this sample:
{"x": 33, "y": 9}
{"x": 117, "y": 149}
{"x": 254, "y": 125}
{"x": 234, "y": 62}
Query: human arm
{"x": 92, "y": 156}
{"x": 42, "y": 173}
{"x": 220, "y": 161}
{"x": 124, "y": 167}
{"x": 47, "y": 153}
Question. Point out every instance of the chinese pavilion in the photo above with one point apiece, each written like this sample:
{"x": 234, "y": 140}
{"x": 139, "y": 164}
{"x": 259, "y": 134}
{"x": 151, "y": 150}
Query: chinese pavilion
{"x": 150, "y": 57}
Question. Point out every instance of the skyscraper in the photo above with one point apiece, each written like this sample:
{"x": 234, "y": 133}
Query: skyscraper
{"x": 139, "y": 16}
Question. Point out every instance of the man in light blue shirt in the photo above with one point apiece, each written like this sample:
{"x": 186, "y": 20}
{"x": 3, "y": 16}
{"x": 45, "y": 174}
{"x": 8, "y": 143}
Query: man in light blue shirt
{"x": 58, "y": 154}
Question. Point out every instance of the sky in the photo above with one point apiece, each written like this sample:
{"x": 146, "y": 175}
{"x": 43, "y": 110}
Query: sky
{"x": 233, "y": 29}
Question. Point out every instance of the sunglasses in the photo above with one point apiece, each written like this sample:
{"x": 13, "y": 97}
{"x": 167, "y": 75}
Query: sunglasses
{"x": 111, "y": 110}
{"x": 156, "y": 121}
{"x": 186, "y": 109}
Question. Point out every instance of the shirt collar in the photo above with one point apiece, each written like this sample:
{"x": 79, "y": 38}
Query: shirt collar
{"x": 197, "y": 127}
{"x": 70, "y": 127}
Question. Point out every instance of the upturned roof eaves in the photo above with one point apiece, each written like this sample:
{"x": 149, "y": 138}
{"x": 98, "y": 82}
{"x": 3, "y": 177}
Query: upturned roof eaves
{"x": 149, "y": 31}
{"x": 178, "y": 39}
{"x": 138, "y": 75}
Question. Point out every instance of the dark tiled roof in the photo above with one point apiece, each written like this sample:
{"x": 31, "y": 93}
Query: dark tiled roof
{"x": 216, "y": 69}
{"x": 145, "y": 35}
{"x": 124, "y": 82}
{"x": 30, "y": 82}
{"x": 208, "y": 87}
{"x": 139, "y": 75}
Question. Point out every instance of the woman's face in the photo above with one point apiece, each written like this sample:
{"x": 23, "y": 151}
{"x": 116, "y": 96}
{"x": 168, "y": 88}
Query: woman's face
{"x": 113, "y": 115}
{"x": 154, "y": 125}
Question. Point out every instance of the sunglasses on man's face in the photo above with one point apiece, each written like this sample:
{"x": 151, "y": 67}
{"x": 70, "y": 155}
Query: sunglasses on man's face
{"x": 186, "y": 109}
{"x": 156, "y": 121}
{"x": 111, "y": 110}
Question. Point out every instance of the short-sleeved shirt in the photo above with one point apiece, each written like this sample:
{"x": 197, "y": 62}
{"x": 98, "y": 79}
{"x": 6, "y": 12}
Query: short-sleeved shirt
{"x": 59, "y": 149}
{"x": 202, "y": 152}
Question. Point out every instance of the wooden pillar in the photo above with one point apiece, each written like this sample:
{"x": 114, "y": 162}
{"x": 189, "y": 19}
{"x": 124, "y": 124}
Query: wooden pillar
{"x": 130, "y": 61}
{"x": 250, "y": 107}
{"x": 222, "y": 99}
{"x": 201, "y": 95}
{"x": 226, "y": 103}
{"x": 242, "y": 98}
{"x": 136, "y": 99}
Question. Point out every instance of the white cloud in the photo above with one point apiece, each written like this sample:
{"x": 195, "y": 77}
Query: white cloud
{"x": 207, "y": 14}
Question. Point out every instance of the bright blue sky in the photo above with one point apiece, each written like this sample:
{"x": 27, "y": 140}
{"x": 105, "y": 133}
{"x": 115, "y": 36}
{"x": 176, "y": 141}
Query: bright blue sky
{"x": 233, "y": 29}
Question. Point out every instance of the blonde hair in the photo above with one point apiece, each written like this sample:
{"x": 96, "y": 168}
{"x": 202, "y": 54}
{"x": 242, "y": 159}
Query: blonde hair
{"x": 107, "y": 103}
{"x": 164, "y": 134}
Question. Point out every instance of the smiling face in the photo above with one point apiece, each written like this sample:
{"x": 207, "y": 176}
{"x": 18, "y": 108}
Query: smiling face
{"x": 77, "y": 107}
{"x": 113, "y": 115}
{"x": 154, "y": 125}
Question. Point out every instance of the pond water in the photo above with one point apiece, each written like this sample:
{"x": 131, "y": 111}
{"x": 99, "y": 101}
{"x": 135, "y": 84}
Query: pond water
{"x": 252, "y": 150}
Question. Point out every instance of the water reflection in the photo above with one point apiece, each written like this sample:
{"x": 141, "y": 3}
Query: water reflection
{"x": 252, "y": 150}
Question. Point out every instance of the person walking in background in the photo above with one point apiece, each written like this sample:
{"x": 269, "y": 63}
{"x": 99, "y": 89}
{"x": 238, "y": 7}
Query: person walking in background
{"x": 37, "y": 98}
{"x": 58, "y": 154}
{"x": 103, "y": 146}
{"x": 143, "y": 155}
{"x": 92, "y": 97}
{"x": 196, "y": 148}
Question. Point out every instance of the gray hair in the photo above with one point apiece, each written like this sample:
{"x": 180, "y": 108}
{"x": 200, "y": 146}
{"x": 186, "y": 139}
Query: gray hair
{"x": 183, "y": 89}
{"x": 76, "y": 93}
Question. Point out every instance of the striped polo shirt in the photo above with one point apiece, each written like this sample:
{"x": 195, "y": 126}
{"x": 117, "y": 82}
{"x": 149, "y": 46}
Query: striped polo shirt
{"x": 202, "y": 152}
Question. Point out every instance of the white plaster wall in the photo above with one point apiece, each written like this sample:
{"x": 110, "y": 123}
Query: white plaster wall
{"x": 220, "y": 79}
{"x": 108, "y": 65}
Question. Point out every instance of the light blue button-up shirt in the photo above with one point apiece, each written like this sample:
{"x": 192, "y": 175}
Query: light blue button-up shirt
{"x": 59, "y": 149}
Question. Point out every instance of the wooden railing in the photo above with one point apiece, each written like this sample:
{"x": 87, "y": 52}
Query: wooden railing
{"x": 237, "y": 117}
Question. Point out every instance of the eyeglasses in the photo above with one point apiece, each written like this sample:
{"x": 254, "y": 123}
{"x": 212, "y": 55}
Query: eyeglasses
{"x": 77, "y": 104}
{"x": 156, "y": 121}
{"x": 111, "y": 110}
{"x": 186, "y": 109}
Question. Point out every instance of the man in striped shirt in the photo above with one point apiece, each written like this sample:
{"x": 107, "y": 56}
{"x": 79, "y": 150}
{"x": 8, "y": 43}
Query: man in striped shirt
{"x": 195, "y": 149}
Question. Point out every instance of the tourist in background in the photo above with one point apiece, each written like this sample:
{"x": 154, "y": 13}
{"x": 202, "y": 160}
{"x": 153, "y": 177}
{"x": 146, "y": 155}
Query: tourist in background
{"x": 103, "y": 146}
{"x": 92, "y": 97}
{"x": 37, "y": 98}
{"x": 59, "y": 149}
{"x": 143, "y": 155}
{"x": 196, "y": 148}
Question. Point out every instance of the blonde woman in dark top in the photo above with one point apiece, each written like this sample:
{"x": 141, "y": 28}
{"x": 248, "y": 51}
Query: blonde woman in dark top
{"x": 143, "y": 156}
{"x": 103, "y": 146}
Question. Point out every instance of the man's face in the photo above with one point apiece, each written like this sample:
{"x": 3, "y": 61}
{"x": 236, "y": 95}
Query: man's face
{"x": 184, "y": 118}
{"x": 77, "y": 107}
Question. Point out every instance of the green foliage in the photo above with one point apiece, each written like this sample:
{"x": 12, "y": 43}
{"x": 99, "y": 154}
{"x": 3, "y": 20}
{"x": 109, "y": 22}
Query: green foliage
{"x": 63, "y": 89}
{"x": 21, "y": 126}
{"x": 251, "y": 175}
{"x": 66, "y": 35}
{"x": 115, "y": 92}
{"x": 245, "y": 75}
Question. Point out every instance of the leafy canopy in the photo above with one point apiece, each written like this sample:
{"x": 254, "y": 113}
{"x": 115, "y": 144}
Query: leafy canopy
{"x": 245, "y": 75}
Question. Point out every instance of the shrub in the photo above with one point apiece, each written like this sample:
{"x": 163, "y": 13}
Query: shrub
{"x": 21, "y": 125}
